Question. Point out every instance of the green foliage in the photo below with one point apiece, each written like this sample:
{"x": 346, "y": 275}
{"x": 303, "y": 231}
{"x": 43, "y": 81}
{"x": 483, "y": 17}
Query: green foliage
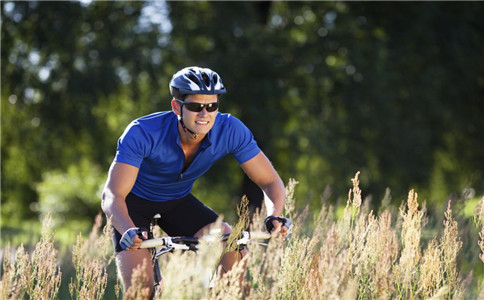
{"x": 70, "y": 196}
{"x": 328, "y": 88}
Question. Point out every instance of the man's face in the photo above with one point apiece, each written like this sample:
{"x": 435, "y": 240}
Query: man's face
{"x": 199, "y": 122}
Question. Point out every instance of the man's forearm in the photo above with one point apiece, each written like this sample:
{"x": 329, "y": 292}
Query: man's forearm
{"x": 276, "y": 192}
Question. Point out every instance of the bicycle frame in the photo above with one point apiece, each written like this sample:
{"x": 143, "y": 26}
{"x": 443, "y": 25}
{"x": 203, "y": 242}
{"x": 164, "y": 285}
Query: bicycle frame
{"x": 170, "y": 244}
{"x": 160, "y": 246}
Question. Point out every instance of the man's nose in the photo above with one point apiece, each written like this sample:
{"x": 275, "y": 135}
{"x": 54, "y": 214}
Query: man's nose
{"x": 203, "y": 111}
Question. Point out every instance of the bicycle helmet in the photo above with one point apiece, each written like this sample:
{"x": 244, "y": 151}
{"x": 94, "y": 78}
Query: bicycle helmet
{"x": 195, "y": 80}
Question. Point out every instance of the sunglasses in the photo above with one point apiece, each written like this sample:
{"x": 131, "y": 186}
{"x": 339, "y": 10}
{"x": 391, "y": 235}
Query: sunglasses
{"x": 198, "y": 107}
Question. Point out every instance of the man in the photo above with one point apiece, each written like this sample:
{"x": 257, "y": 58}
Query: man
{"x": 159, "y": 157}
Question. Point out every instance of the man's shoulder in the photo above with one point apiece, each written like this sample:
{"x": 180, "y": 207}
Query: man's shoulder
{"x": 156, "y": 117}
{"x": 229, "y": 127}
{"x": 226, "y": 119}
{"x": 153, "y": 125}
{"x": 155, "y": 121}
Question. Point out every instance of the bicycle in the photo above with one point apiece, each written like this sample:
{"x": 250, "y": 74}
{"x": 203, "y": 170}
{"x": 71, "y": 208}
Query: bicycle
{"x": 168, "y": 244}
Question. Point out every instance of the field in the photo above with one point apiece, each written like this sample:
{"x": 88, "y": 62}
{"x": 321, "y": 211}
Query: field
{"x": 346, "y": 253}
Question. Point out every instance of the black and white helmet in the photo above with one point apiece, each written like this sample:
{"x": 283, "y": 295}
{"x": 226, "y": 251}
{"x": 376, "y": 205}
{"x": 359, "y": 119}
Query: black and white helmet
{"x": 195, "y": 80}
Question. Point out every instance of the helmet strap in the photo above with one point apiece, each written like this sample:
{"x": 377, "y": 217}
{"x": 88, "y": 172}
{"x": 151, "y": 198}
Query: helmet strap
{"x": 194, "y": 135}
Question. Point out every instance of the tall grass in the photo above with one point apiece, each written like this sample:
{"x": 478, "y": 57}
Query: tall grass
{"x": 37, "y": 275}
{"x": 90, "y": 259}
{"x": 357, "y": 255}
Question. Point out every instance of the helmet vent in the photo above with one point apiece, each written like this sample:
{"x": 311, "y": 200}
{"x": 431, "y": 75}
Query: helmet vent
{"x": 194, "y": 78}
{"x": 206, "y": 79}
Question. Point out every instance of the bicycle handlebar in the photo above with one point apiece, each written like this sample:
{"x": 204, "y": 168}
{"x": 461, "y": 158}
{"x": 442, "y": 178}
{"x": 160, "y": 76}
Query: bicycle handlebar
{"x": 180, "y": 243}
{"x": 259, "y": 235}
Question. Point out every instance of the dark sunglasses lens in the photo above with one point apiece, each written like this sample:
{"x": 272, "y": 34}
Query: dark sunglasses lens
{"x": 212, "y": 107}
{"x": 193, "y": 107}
{"x": 197, "y": 107}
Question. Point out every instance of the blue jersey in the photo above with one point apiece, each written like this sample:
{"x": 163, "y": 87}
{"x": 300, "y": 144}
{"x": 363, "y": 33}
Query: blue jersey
{"x": 152, "y": 143}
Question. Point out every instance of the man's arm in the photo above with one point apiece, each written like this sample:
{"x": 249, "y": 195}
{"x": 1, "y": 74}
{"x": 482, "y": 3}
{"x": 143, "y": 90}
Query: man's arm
{"x": 121, "y": 179}
{"x": 260, "y": 170}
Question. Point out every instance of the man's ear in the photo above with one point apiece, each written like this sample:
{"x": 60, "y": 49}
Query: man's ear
{"x": 176, "y": 107}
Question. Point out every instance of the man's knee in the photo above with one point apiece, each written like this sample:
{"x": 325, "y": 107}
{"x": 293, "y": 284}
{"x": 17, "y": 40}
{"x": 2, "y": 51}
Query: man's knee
{"x": 135, "y": 266}
{"x": 226, "y": 229}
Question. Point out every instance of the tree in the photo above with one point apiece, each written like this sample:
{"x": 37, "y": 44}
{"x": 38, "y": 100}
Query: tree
{"x": 73, "y": 77}
{"x": 328, "y": 88}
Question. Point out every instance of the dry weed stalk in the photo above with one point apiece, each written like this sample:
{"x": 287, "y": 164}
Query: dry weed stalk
{"x": 324, "y": 221}
{"x": 229, "y": 285}
{"x": 354, "y": 198}
{"x": 297, "y": 253}
{"x": 102, "y": 243}
{"x": 481, "y": 256}
{"x": 440, "y": 294}
{"x": 430, "y": 270}
{"x": 16, "y": 274}
{"x": 295, "y": 261}
{"x": 351, "y": 211}
{"x": 354, "y": 257}
{"x": 90, "y": 260}
{"x": 479, "y": 212}
{"x": 328, "y": 274}
{"x": 257, "y": 221}
{"x": 187, "y": 275}
{"x": 290, "y": 205}
{"x": 451, "y": 245}
{"x": 330, "y": 268}
{"x": 384, "y": 243}
{"x": 481, "y": 244}
{"x": 481, "y": 291}
{"x": 45, "y": 278}
{"x": 373, "y": 251}
{"x": 463, "y": 288}
{"x": 265, "y": 266}
{"x": 406, "y": 271}
{"x": 359, "y": 257}
{"x": 241, "y": 225}
{"x": 263, "y": 269}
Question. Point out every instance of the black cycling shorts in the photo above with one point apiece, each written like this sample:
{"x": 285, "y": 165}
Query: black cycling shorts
{"x": 181, "y": 217}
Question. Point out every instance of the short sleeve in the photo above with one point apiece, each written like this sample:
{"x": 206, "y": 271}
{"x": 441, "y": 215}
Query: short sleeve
{"x": 133, "y": 145}
{"x": 243, "y": 145}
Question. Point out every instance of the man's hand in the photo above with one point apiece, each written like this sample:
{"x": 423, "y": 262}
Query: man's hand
{"x": 132, "y": 238}
{"x": 279, "y": 225}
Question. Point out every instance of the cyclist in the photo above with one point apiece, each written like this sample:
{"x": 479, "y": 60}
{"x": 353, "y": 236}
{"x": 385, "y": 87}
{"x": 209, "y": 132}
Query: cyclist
{"x": 158, "y": 158}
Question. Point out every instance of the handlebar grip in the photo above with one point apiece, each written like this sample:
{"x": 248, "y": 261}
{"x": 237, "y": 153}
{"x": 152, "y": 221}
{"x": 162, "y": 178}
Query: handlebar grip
{"x": 151, "y": 243}
{"x": 259, "y": 235}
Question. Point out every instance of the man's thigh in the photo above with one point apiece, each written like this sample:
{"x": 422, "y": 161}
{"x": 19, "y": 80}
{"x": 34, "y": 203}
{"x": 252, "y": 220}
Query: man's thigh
{"x": 186, "y": 217}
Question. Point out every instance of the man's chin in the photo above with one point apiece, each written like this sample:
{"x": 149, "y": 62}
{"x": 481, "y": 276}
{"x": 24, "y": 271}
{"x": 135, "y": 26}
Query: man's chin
{"x": 198, "y": 130}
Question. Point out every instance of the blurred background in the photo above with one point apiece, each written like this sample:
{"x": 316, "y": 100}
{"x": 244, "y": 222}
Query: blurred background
{"x": 392, "y": 89}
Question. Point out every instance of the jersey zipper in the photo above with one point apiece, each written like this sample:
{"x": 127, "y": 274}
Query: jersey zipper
{"x": 197, "y": 154}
